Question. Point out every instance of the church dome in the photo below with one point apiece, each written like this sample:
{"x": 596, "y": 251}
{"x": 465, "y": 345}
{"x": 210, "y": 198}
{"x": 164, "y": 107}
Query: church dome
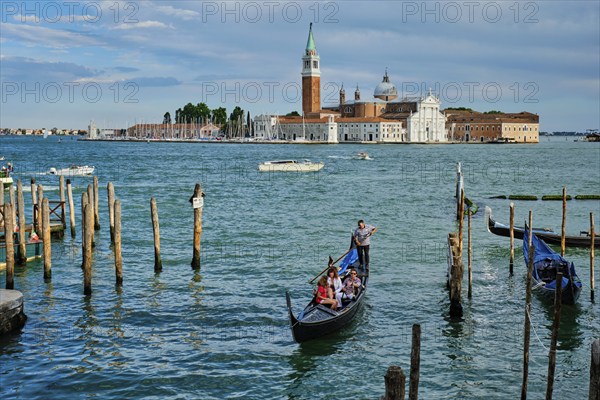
{"x": 386, "y": 90}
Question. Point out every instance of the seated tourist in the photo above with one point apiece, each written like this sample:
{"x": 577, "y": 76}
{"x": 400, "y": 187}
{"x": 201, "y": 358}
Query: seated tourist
{"x": 351, "y": 285}
{"x": 322, "y": 297}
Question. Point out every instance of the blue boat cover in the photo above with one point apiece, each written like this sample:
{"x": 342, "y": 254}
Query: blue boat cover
{"x": 541, "y": 249}
{"x": 544, "y": 255}
{"x": 350, "y": 259}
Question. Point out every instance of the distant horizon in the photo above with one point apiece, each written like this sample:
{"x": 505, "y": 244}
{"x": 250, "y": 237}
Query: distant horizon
{"x": 67, "y": 63}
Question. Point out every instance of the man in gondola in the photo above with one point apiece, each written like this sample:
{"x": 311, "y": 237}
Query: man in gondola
{"x": 362, "y": 238}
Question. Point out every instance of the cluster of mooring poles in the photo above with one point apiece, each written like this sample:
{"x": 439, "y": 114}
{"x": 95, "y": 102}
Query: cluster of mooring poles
{"x": 455, "y": 274}
{"x": 49, "y": 217}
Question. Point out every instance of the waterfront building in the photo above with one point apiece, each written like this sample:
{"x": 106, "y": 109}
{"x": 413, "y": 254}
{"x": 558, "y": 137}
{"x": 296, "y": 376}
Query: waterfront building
{"x": 186, "y": 131}
{"x": 472, "y": 126}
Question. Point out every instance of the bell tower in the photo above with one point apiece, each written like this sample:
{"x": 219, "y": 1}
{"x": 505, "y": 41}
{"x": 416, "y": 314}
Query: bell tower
{"x": 311, "y": 77}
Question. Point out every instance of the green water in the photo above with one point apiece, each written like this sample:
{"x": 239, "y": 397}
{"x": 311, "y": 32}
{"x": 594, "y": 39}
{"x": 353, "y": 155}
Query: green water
{"x": 223, "y": 332}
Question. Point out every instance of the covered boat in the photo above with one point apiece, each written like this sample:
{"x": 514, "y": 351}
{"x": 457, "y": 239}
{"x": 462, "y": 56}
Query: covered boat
{"x": 290, "y": 166}
{"x": 548, "y": 235}
{"x": 546, "y": 264}
{"x": 317, "y": 320}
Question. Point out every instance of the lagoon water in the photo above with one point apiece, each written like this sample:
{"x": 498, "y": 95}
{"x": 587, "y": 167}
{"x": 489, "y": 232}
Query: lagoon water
{"x": 223, "y": 332}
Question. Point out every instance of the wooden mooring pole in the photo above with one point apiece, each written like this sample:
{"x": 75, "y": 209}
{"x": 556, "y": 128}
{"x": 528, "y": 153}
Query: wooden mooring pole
{"x": 110, "y": 188}
{"x": 555, "y": 327}
{"x": 395, "y": 382}
{"x": 90, "y": 193}
{"x": 71, "y": 207}
{"x": 2, "y": 205}
{"x": 11, "y": 194}
{"x": 22, "y": 259}
{"x": 469, "y": 253}
{"x": 563, "y": 231}
{"x": 156, "y": 228}
{"x": 88, "y": 221}
{"x": 63, "y": 219}
{"x": 46, "y": 238}
{"x": 84, "y": 202}
{"x": 96, "y": 216}
{"x": 459, "y": 188}
{"x": 38, "y": 214}
{"x": 595, "y": 371}
{"x": 461, "y": 222}
{"x": 593, "y": 236}
{"x": 455, "y": 275}
{"x": 197, "y": 202}
{"x": 512, "y": 238}
{"x": 10, "y": 245}
{"x": 527, "y": 328}
{"x": 34, "y": 219}
{"x": 415, "y": 362}
{"x": 118, "y": 256}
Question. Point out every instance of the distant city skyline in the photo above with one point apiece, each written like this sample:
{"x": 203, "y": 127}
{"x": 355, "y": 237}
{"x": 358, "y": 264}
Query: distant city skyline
{"x": 63, "y": 64}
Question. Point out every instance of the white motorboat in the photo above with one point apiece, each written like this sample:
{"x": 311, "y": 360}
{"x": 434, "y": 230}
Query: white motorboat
{"x": 290, "y": 166}
{"x": 73, "y": 170}
{"x": 363, "y": 156}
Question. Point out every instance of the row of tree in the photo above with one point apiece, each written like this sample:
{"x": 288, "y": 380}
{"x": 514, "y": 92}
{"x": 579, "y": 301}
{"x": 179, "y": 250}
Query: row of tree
{"x": 234, "y": 125}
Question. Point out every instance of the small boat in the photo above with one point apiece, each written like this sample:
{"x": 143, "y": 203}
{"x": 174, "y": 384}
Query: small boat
{"x": 548, "y": 235}
{"x": 317, "y": 320}
{"x": 73, "y": 170}
{"x": 363, "y": 156}
{"x": 546, "y": 264}
{"x": 290, "y": 166}
{"x": 1, "y": 158}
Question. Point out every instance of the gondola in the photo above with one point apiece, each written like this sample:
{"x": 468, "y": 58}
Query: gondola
{"x": 546, "y": 264}
{"x": 317, "y": 320}
{"x": 547, "y": 235}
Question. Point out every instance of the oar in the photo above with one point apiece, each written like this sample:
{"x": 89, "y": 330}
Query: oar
{"x": 330, "y": 263}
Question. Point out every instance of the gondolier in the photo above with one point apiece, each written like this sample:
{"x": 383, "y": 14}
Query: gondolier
{"x": 362, "y": 238}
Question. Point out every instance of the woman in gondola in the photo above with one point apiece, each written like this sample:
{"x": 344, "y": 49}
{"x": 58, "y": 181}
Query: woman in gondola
{"x": 322, "y": 297}
{"x": 335, "y": 284}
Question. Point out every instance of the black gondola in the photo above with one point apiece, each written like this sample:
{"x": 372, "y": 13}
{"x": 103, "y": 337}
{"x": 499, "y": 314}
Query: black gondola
{"x": 546, "y": 264}
{"x": 547, "y": 235}
{"x": 317, "y": 320}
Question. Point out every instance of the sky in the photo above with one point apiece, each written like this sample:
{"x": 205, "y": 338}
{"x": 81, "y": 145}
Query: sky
{"x": 65, "y": 63}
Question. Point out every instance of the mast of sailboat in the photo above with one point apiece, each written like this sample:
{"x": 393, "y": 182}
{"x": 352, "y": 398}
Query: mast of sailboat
{"x": 303, "y": 129}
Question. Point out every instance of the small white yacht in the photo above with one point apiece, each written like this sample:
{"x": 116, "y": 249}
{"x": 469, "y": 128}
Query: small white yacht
{"x": 290, "y": 166}
{"x": 73, "y": 170}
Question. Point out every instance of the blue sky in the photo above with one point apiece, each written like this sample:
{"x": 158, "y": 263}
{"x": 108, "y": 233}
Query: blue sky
{"x": 118, "y": 62}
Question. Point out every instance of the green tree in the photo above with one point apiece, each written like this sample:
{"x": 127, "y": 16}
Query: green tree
{"x": 248, "y": 124}
{"x": 167, "y": 118}
{"x": 219, "y": 116}
{"x": 236, "y": 119}
{"x": 188, "y": 113}
{"x": 293, "y": 114}
{"x": 202, "y": 111}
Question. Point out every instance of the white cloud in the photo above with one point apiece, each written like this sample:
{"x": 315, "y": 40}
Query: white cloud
{"x": 141, "y": 25}
{"x": 178, "y": 12}
{"x": 41, "y": 36}
{"x": 42, "y": 19}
